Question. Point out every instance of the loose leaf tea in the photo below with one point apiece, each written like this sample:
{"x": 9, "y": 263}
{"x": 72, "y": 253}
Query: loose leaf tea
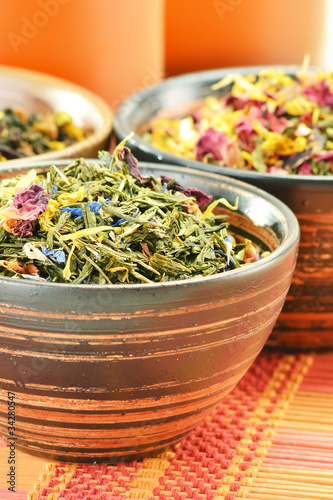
{"x": 104, "y": 223}
{"x": 22, "y": 135}
{"x": 270, "y": 122}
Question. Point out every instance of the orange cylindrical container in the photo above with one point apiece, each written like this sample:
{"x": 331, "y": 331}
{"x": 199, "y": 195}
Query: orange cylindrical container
{"x": 223, "y": 33}
{"x": 113, "y": 48}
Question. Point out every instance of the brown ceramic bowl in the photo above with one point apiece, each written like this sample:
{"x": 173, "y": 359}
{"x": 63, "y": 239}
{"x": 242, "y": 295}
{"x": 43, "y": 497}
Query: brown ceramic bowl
{"x": 115, "y": 372}
{"x": 41, "y": 93}
{"x": 306, "y": 321}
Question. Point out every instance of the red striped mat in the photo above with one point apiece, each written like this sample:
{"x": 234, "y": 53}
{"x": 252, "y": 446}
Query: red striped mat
{"x": 270, "y": 439}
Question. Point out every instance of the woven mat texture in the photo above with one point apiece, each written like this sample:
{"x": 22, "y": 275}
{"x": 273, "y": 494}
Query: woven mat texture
{"x": 270, "y": 439}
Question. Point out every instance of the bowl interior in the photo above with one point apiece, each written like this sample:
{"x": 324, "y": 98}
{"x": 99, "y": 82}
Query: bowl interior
{"x": 177, "y": 97}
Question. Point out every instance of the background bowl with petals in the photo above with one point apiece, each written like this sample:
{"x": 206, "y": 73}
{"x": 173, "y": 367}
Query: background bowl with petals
{"x": 116, "y": 372}
{"x": 306, "y": 321}
{"x": 41, "y": 93}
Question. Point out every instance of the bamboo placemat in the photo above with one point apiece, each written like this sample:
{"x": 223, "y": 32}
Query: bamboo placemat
{"x": 270, "y": 439}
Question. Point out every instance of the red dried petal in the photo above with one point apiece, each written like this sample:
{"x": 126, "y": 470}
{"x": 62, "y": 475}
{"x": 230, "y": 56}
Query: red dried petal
{"x": 320, "y": 92}
{"x": 250, "y": 253}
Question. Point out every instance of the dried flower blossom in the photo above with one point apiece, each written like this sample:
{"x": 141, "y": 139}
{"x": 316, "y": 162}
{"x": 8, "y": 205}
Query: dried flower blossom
{"x": 67, "y": 198}
{"x": 45, "y": 219}
{"x": 18, "y": 267}
{"x": 22, "y": 228}
{"x": 32, "y": 199}
{"x": 201, "y": 198}
{"x": 33, "y": 252}
{"x": 132, "y": 163}
{"x": 250, "y": 253}
{"x": 95, "y": 206}
{"x": 58, "y": 255}
{"x": 211, "y": 143}
{"x": 27, "y": 205}
{"x": 320, "y": 92}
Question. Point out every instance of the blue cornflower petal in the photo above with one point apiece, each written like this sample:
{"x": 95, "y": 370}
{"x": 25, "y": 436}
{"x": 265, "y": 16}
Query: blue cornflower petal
{"x": 120, "y": 221}
{"x": 94, "y": 206}
{"x": 77, "y": 212}
{"x": 229, "y": 241}
{"x": 164, "y": 187}
{"x": 220, "y": 252}
{"x": 58, "y": 255}
{"x": 54, "y": 188}
{"x": 136, "y": 212}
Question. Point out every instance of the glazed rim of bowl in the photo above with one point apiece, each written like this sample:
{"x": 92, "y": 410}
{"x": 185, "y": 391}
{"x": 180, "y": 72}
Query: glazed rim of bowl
{"x": 169, "y": 88}
{"x": 283, "y": 215}
{"x": 38, "y": 91}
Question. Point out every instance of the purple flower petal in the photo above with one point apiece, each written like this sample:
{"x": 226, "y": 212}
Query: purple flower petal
{"x": 175, "y": 186}
{"x": 320, "y": 92}
{"x": 130, "y": 160}
{"x": 327, "y": 155}
{"x": 305, "y": 169}
{"x": 23, "y": 228}
{"x": 201, "y": 197}
{"x": 32, "y": 200}
{"x": 220, "y": 147}
{"x": 211, "y": 142}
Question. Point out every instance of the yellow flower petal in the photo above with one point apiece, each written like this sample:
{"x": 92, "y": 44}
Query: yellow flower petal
{"x": 66, "y": 198}
{"x": 48, "y": 215}
{"x": 67, "y": 269}
{"x": 56, "y": 145}
{"x": 27, "y": 180}
{"x": 279, "y": 144}
{"x": 260, "y": 129}
{"x": 299, "y": 106}
{"x": 247, "y": 156}
{"x": 74, "y": 131}
{"x": 85, "y": 232}
{"x": 209, "y": 210}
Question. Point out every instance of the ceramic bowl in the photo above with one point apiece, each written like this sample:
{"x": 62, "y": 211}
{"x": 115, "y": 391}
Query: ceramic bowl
{"x": 306, "y": 321}
{"x": 116, "y": 372}
{"x": 36, "y": 92}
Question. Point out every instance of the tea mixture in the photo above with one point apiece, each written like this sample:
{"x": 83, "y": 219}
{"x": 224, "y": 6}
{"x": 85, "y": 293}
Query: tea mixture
{"x": 104, "y": 223}
{"x": 22, "y": 135}
{"x": 269, "y": 123}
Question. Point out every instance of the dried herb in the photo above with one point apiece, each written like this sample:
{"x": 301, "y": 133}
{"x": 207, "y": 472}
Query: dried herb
{"x": 270, "y": 123}
{"x": 96, "y": 223}
{"x": 22, "y": 135}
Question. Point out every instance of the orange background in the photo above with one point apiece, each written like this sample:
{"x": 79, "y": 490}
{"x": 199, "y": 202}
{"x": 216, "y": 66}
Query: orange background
{"x": 116, "y": 47}
{"x": 112, "y": 47}
{"x": 221, "y": 33}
